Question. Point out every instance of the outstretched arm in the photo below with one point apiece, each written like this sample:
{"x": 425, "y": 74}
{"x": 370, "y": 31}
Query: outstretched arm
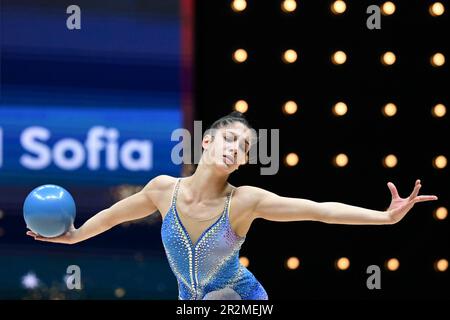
{"x": 276, "y": 208}
{"x": 133, "y": 207}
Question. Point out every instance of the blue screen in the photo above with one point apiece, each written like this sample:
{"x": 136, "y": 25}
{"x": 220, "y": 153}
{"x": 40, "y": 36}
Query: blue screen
{"x": 85, "y": 146}
{"x": 89, "y": 98}
{"x": 116, "y": 79}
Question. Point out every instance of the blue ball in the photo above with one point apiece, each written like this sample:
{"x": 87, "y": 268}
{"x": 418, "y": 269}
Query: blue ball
{"x": 49, "y": 210}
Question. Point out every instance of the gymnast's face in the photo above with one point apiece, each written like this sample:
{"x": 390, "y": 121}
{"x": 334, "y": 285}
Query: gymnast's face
{"x": 227, "y": 148}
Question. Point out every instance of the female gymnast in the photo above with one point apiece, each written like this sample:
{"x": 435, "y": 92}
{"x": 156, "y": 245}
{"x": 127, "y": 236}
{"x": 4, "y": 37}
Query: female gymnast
{"x": 205, "y": 219}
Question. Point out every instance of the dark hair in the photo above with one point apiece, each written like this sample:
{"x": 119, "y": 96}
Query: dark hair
{"x": 234, "y": 116}
{"x": 228, "y": 119}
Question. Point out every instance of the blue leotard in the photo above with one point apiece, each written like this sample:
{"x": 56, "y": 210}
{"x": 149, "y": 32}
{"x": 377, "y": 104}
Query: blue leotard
{"x": 210, "y": 268}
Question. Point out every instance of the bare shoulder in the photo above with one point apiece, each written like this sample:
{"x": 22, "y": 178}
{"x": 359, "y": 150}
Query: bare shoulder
{"x": 249, "y": 194}
{"x": 250, "y": 190}
{"x": 159, "y": 190}
{"x": 160, "y": 183}
{"x": 247, "y": 198}
{"x": 242, "y": 208}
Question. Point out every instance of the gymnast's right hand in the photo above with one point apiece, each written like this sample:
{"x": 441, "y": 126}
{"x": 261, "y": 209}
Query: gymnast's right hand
{"x": 136, "y": 206}
{"x": 70, "y": 237}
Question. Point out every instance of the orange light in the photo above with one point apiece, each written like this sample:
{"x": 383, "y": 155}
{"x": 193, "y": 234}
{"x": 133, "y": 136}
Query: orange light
{"x": 390, "y": 161}
{"x": 288, "y": 6}
{"x": 389, "y": 110}
{"x": 392, "y": 264}
{"x": 340, "y": 160}
{"x": 291, "y": 159}
{"x": 439, "y": 110}
{"x": 339, "y": 57}
{"x": 388, "y": 8}
{"x": 244, "y": 261}
{"x": 289, "y": 56}
{"x": 240, "y": 55}
{"x": 343, "y": 263}
{"x": 241, "y": 106}
{"x": 437, "y": 60}
{"x": 436, "y": 9}
{"x": 340, "y": 109}
{"x": 290, "y": 107}
{"x": 440, "y": 213}
{"x": 238, "y": 5}
{"x": 292, "y": 263}
{"x": 338, "y": 7}
{"x": 440, "y": 162}
{"x": 388, "y": 58}
{"x": 441, "y": 265}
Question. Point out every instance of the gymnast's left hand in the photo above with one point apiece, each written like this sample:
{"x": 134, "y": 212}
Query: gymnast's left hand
{"x": 399, "y": 207}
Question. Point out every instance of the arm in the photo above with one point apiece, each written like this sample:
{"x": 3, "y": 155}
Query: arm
{"x": 276, "y": 208}
{"x": 133, "y": 207}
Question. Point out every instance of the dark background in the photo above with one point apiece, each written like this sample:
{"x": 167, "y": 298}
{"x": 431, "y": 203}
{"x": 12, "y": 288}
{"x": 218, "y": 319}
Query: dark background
{"x": 130, "y": 257}
{"x": 364, "y": 134}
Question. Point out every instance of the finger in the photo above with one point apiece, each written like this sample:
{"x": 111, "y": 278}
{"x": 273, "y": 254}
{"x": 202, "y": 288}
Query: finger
{"x": 425, "y": 198}
{"x": 393, "y": 190}
{"x": 415, "y": 192}
{"x": 40, "y": 238}
{"x": 31, "y": 234}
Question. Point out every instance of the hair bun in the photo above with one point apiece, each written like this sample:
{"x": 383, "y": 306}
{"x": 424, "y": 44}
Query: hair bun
{"x": 236, "y": 114}
{"x": 230, "y": 118}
